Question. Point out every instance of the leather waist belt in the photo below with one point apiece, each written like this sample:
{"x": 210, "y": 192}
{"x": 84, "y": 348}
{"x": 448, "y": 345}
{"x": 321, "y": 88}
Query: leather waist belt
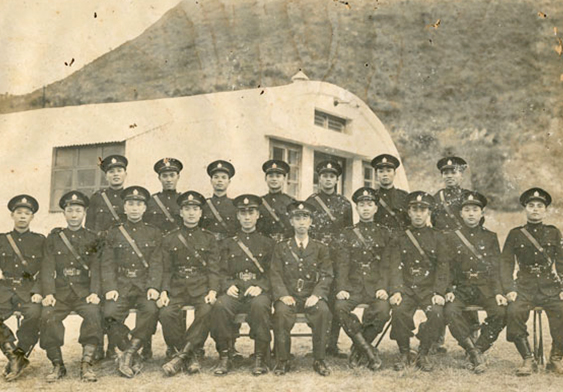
{"x": 246, "y": 276}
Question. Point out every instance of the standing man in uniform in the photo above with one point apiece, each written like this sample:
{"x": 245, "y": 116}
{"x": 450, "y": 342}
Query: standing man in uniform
{"x": 333, "y": 213}
{"x": 70, "y": 278}
{"x": 392, "y": 206}
{"x": 162, "y": 209}
{"x": 418, "y": 279}
{"x": 190, "y": 256}
{"x": 129, "y": 280}
{"x": 219, "y": 213}
{"x": 474, "y": 256}
{"x": 274, "y": 219}
{"x": 538, "y": 251}
{"x": 105, "y": 211}
{"x": 21, "y": 252}
{"x": 301, "y": 277}
{"x": 363, "y": 264}
{"x": 446, "y": 218}
{"x": 245, "y": 264}
{"x": 164, "y": 213}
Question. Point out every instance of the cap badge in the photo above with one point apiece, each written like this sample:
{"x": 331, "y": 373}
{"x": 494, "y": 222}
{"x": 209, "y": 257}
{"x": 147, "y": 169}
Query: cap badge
{"x": 135, "y": 192}
{"x": 384, "y": 160}
{"x": 190, "y": 197}
{"x": 450, "y": 162}
{"x": 366, "y": 193}
{"x": 24, "y": 200}
{"x": 167, "y": 164}
{"x": 329, "y": 166}
{"x": 274, "y": 166}
{"x": 301, "y": 206}
{"x": 113, "y": 160}
{"x": 74, "y": 197}
{"x": 536, "y": 194}
{"x": 219, "y": 165}
{"x": 245, "y": 201}
{"x": 419, "y": 198}
{"x": 470, "y": 197}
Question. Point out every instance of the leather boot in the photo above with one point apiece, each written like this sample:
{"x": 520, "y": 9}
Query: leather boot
{"x": 281, "y": 368}
{"x": 321, "y": 368}
{"x": 170, "y": 352}
{"x": 59, "y": 370}
{"x": 194, "y": 365}
{"x": 86, "y": 372}
{"x": 529, "y": 364}
{"x": 403, "y": 359}
{"x": 146, "y": 350}
{"x": 554, "y": 365}
{"x": 176, "y": 364}
{"x": 260, "y": 353}
{"x": 17, "y": 361}
{"x": 125, "y": 366}
{"x": 422, "y": 360}
{"x": 475, "y": 355}
{"x": 355, "y": 357}
{"x": 374, "y": 362}
{"x": 224, "y": 363}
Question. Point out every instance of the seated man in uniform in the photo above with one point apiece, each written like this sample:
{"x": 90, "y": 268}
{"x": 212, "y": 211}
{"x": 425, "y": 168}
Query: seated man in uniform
{"x": 474, "y": 256}
{"x": 190, "y": 256}
{"x": 70, "y": 277}
{"x": 301, "y": 276}
{"x": 129, "y": 280}
{"x": 362, "y": 277}
{"x": 21, "y": 252}
{"x": 245, "y": 264}
{"x": 418, "y": 280}
{"x": 537, "y": 249}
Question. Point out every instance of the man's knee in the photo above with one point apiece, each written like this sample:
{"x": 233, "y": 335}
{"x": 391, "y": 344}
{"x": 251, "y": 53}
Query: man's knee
{"x": 261, "y": 304}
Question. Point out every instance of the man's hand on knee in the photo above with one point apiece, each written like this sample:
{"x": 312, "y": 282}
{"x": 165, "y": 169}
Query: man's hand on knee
{"x": 288, "y": 300}
{"x": 112, "y": 295}
{"x": 396, "y": 299}
{"x": 343, "y": 295}
{"x": 311, "y": 301}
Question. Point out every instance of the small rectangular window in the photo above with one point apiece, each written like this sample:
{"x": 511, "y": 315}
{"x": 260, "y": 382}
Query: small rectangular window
{"x": 290, "y": 153}
{"x": 369, "y": 175}
{"x": 330, "y": 121}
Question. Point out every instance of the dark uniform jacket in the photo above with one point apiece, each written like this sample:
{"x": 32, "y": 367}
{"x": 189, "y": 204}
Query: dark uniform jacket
{"x": 122, "y": 268}
{"x": 301, "y": 275}
{"x": 466, "y": 269}
{"x": 396, "y": 200}
{"x": 193, "y": 270}
{"x": 62, "y": 274}
{"x": 18, "y": 278}
{"x": 536, "y": 273}
{"x": 228, "y": 212}
{"x": 267, "y": 224}
{"x": 441, "y": 220}
{"x": 323, "y": 228}
{"x": 410, "y": 272}
{"x": 99, "y": 218}
{"x": 363, "y": 267}
{"x": 156, "y": 217}
{"x": 238, "y": 269}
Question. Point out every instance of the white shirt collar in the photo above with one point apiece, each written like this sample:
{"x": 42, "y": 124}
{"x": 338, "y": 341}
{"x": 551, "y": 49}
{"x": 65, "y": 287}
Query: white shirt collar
{"x": 304, "y": 242}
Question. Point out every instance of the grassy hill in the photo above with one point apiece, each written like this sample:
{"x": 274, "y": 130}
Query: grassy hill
{"x": 484, "y": 83}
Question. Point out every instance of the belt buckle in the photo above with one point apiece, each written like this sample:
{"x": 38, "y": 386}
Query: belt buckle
{"x": 17, "y": 281}
{"x": 71, "y": 272}
{"x": 246, "y": 276}
{"x": 366, "y": 265}
{"x": 535, "y": 269}
{"x": 300, "y": 284}
{"x": 131, "y": 273}
{"x": 416, "y": 271}
{"x": 471, "y": 274}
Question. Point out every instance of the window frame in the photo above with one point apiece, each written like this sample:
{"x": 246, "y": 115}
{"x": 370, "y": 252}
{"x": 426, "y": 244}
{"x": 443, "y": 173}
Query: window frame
{"x": 327, "y": 118}
{"x": 286, "y": 147}
{"x": 372, "y": 183}
{"x": 75, "y": 168}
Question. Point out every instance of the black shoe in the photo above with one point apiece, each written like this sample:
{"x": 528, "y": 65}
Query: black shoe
{"x": 321, "y": 367}
{"x": 146, "y": 350}
{"x": 170, "y": 352}
{"x": 423, "y": 363}
{"x": 402, "y": 362}
{"x": 281, "y": 368}
{"x": 125, "y": 365}
{"x": 355, "y": 357}
{"x": 17, "y": 359}
{"x": 224, "y": 365}
{"x": 260, "y": 367}
{"x": 174, "y": 366}
{"x": 58, "y": 372}
{"x": 86, "y": 372}
{"x": 194, "y": 366}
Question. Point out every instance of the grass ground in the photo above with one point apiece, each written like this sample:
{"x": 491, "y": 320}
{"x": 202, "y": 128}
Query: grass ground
{"x": 449, "y": 374}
